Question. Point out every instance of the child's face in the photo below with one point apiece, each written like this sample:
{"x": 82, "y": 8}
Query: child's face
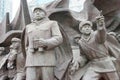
{"x": 86, "y": 29}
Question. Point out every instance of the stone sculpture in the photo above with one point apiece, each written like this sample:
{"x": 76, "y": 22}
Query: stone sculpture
{"x": 16, "y": 58}
{"x": 94, "y": 45}
{"x": 16, "y": 61}
{"x": 43, "y": 35}
{"x": 68, "y": 22}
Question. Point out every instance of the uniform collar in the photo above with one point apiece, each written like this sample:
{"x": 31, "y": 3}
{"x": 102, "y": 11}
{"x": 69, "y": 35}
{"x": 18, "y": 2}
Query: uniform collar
{"x": 83, "y": 39}
{"x": 42, "y": 20}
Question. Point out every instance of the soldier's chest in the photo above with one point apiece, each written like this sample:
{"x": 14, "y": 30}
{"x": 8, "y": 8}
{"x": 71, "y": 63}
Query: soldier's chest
{"x": 87, "y": 45}
{"x": 38, "y": 30}
{"x": 39, "y": 27}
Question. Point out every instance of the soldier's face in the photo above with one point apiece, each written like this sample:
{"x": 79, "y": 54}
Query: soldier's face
{"x": 86, "y": 29}
{"x": 38, "y": 14}
{"x": 16, "y": 45}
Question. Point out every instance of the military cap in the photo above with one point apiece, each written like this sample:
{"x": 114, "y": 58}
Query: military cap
{"x": 15, "y": 40}
{"x": 85, "y": 23}
{"x": 39, "y": 8}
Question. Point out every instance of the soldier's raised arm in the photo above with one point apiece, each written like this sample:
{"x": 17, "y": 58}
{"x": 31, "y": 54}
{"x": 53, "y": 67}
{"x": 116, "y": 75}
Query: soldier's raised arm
{"x": 101, "y": 30}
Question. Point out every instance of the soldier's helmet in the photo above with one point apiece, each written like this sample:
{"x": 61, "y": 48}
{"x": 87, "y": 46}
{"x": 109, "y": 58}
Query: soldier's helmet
{"x": 15, "y": 40}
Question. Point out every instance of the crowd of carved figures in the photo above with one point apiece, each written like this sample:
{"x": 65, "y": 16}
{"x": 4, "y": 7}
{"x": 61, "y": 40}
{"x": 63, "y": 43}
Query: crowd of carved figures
{"x": 12, "y": 64}
{"x": 62, "y": 44}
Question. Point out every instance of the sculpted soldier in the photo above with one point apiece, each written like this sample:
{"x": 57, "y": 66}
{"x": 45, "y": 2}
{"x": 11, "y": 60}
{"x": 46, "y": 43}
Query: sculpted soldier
{"x": 3, "y": 69}
{"x": 11, "y": 63}
{"x": 16, "y": 58}
{"x": 43, "y": 35}
{"x": 94, "y": 45}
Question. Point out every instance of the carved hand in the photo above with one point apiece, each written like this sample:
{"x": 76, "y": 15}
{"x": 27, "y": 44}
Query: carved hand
{"x": 35, "y": 43}
{"x": 10, "y": 65}
{"x": 42, "y": 42}
{"x": 75, "y": 64}
{"x": 100, "y": 21}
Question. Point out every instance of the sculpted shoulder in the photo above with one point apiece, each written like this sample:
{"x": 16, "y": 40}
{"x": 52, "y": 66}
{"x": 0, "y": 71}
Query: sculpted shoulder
{"x": 47, "y": 22}
{"x": 52, "y": 22}
{"x": 31, "y": 24}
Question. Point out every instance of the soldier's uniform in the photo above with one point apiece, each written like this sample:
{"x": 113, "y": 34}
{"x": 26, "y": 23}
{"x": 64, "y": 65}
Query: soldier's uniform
{"x": 39, "y": 65}
{"x": 97, "y": 53}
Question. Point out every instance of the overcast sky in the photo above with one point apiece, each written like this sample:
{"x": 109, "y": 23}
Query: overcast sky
{"x": 16, "y": 3}
{"x": 75, "y": 5}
